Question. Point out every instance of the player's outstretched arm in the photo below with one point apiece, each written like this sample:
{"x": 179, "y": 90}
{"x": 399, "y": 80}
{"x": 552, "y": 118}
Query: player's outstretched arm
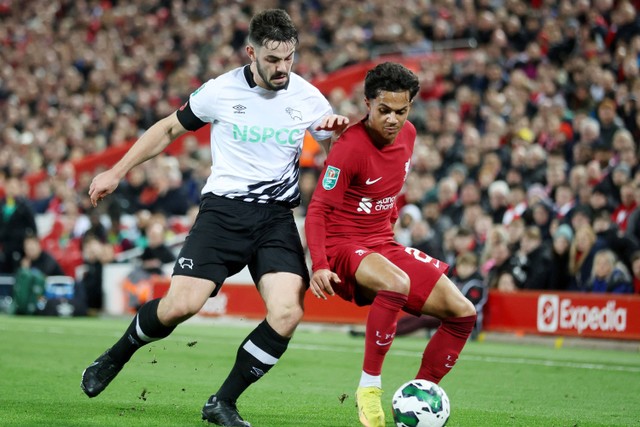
{"x": 149, "y": 145}
{"x": 335, "y": 123}
{"x": 315, "y": 230}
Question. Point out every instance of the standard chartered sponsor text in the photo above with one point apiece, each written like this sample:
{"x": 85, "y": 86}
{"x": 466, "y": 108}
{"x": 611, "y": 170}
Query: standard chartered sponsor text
{"x": 385, "y": 204}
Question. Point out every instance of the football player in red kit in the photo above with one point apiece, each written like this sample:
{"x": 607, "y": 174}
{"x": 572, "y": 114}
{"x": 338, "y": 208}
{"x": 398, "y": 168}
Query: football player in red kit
{"x": 349, "y": 229}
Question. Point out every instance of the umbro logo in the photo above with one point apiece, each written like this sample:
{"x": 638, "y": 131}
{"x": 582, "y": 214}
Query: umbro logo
{"x": 239, "y": 109}
{"x": 257, "y": 371}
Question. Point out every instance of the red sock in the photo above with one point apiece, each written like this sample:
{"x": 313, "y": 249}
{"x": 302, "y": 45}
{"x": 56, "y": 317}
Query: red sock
{"x": 381, "y": 329}
{"x": 444, "y": 347}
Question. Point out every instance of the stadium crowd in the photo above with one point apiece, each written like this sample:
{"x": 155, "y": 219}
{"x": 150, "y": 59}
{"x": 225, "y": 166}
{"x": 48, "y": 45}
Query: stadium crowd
{"x": 526, "y": 162}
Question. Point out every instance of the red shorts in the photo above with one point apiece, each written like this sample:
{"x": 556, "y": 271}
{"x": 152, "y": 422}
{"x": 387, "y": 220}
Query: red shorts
{"x": 423, "y": 271}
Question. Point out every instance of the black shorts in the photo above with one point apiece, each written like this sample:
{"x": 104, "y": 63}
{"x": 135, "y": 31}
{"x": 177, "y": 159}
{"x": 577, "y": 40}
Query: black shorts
{"x": 230, "y": 234}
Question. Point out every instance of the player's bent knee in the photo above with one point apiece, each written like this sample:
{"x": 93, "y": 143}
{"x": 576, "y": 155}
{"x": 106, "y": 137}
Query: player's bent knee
{"x": 175, "y": 312}
{"x": 285, "y": 320}
{"x": 466, "y": 308}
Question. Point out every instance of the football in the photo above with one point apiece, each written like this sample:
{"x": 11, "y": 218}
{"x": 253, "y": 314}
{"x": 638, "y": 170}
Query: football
{"x": 420, "y": 403}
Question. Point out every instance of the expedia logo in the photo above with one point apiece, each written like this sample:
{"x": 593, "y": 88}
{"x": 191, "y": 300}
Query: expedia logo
{"x": 548, "y": 313}
{"x": 556, "y": 314}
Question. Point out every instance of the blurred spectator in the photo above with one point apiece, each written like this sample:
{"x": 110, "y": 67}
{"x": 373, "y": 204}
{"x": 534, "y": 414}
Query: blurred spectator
{"x": 95, "y": 227}
{"x": 540, "y": 215}
{"x": 36, "y": 257}
{"x": 498, "y": 198}
{"x": 95, "y": 254}
{"x": 431, "y": 213}
{"x": 532, "y": 255}
{"x": 408, "y": 216}
{"x": 627, "y": 204}
{"x": 138, "y": 286}
{"x": 130, "y": 190}
{"x": 613, "y": 238}
{"x": 559, "y": 276}
{"x": 42, "y": 197}
{"x": 17, "y": 220}
{"x": 61, "y": 241}
{"x": 580, "y": 215}
{"x": 516, "y": 231}
{"x": 610, "y": 123}
{"x": 601, "y": 199}
{"x": 578, "y": 181}
{"x": 156, "y": 253}
{"x": 468, "y": 279}
{"x": 564, "y": 200}
{"x": 464, "y": 241}
{"x": 503, "y": 262}
{"x": 633, "y": 222}
{"x": 517, "y": 204}
{"x": 165, "y": 193}
{"x": 425, "y": 239}
{"x": 581, "y": 253}
{"x": 119, "y": 235}
{"x": 506, "y": 282}
{"x": 609, "y": 275}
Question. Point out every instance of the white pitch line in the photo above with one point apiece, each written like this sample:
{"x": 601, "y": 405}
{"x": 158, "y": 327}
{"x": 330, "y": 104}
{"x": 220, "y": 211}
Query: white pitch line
{"x": 487, "y": 359}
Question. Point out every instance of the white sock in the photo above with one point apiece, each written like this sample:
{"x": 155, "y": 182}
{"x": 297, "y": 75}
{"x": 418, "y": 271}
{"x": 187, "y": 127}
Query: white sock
{"x": 367, "y": 380}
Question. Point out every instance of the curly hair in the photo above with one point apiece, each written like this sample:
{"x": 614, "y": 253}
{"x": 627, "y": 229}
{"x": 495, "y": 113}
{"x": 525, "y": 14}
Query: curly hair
{"x": 272, "y": 25}
{"x": 391, "y": 77}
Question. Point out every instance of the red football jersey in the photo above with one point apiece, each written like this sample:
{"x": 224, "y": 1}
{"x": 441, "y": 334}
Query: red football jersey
{"x": 361, "y": 181}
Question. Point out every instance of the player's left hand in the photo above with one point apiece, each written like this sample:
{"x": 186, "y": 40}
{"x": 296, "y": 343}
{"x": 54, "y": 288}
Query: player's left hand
{"x": 334, "y": 122}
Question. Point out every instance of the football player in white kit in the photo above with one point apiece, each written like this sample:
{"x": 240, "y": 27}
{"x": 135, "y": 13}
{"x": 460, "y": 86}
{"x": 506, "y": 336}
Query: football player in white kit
{"x": 258, "y": 115}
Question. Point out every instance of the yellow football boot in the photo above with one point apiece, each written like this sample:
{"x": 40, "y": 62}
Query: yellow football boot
{"x": 370, "y": 406}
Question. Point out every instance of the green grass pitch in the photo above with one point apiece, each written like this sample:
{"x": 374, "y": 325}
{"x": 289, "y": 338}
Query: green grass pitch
{"x": 166, "y": 383}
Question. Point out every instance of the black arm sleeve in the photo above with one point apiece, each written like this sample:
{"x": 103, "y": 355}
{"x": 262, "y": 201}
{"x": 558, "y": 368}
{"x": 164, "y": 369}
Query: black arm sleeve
{"x": 187, "y": 119}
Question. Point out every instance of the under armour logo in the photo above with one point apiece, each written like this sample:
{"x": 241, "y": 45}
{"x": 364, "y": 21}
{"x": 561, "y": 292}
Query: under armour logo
{"x": 295, "y": 114}
{"x": 186, "y": 262}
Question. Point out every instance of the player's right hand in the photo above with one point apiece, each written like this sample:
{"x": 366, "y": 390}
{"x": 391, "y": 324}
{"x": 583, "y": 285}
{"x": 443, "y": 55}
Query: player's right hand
{"x": 321, "y": 283}
{"x": 102, "y": 185}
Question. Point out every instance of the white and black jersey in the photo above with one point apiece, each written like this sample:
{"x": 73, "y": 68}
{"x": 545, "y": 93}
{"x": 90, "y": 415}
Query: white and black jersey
{"x": 256, "y": 134}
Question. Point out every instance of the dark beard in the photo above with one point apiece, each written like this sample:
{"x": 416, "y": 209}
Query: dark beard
{"x": 267, "y": 82}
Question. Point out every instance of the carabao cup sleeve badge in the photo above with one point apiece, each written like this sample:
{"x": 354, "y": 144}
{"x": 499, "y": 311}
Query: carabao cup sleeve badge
{"x": 330, "y": 178}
